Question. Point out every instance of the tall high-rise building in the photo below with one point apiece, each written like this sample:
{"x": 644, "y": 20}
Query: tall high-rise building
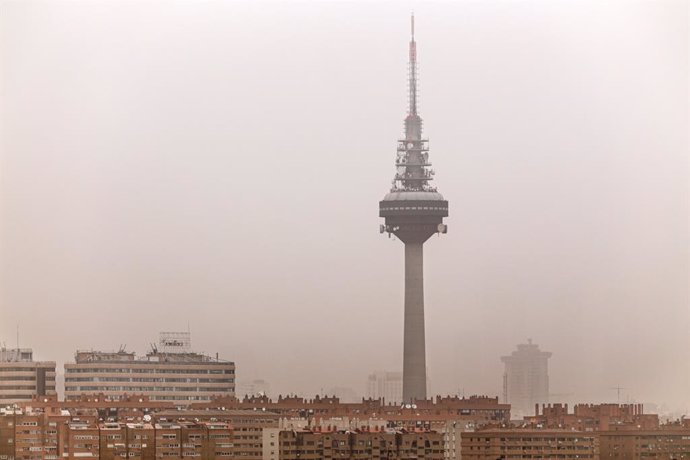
{"x": 387, "y": 385}
{"x": 256, "y": 387}
{"x": 170, "y": 372}
{"x": 22, "y": 378}
{"x": 413, "y": 211}
{"x": 526, "y": 378}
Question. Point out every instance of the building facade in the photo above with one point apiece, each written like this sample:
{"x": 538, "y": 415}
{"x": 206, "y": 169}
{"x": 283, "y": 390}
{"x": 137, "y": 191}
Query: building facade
{"x": 324, "y": 444}
{"x": 476, "y": 410}
{"x": 181, "y": 378}
{"x": 41, "y": 436}
{"x": 529, "y": 443}
{"x": 668, "y": 443}
{"x": 22, "y": 378}
{"x": 526, "y": 378}
{"x": 248, "y": 426}
{"x": 593, "y": 417}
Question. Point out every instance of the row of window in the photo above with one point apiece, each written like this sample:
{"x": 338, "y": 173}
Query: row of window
{"x": 25, "y": 369}
{"x": 415, "y": 208}
{"x": 534, "y": 439}
{"x": 31, "y": 388}
{"x": 127, "y": 370}
{"x": 148, "y": 379}
{"x": 118, "y": 388}
{"x": 159, "y": 398}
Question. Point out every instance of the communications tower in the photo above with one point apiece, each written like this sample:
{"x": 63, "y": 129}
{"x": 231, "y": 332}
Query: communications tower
{"x": 413, "y": 211}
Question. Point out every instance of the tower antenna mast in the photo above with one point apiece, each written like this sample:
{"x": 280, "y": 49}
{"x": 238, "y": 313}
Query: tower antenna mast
{"x": 412, "y": 83}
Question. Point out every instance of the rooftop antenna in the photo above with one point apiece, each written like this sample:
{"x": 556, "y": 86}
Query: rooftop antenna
{"x": 412, "y": 24}
{"x": 17, "y": 336}
{"x": 618, "y": 392}
{"x": 413, "y": 69}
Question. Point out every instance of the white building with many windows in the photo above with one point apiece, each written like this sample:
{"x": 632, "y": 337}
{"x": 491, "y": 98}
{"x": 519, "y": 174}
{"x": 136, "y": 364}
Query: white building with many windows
{"x": 175, "y": 375}
{"x": 22, "y": 378}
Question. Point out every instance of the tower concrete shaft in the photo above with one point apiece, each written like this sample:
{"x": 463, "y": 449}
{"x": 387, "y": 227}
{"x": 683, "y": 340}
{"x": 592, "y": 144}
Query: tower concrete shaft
{"x": 414, "y": 347}
{"x": 413, "y": 212}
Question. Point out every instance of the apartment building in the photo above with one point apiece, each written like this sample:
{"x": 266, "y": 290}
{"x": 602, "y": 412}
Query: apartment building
{"x": 22, "y": 378}
{"x": 593, "y": 417}
{"x": 360, "y": 444}
{"x": 248, "y": 426}
{"x": 7, "y": 422}
{"x": 40, "y": 436}
{"x": 473, "y": 409}
{"x": 516, "y": 443}
{"x": 665, "y": 443}
{"x": 174, "y": 440}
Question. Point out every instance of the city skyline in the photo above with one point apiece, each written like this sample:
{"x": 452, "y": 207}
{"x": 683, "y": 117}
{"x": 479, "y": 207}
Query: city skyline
{"x": 217, "y": 165}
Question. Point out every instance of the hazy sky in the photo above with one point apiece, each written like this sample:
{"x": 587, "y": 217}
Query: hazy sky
{"x": 219, "y": 164}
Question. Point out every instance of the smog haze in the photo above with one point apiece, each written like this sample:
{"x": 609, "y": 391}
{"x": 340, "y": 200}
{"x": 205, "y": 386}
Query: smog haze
{"x": 217, "y": 166}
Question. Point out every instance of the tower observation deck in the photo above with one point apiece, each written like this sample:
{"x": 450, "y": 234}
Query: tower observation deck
{"x": 413, "y": 211}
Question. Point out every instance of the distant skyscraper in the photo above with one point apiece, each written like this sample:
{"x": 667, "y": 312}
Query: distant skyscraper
{"x": 344, "y": 394}
{"x": 526, "y": 378}
{"x": 388, "y": 385}
{"x": 22, "y": 378}
{"x": 256, "y": 387}
{"x": 414, "y": 211}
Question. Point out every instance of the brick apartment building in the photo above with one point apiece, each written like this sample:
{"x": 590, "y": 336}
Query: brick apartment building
{"x": 665, "y": 443}
{"x": 358, "y": 444}
{"x": 492, "y": 444}
{"x": 248, "y": 426}
{"x": 96, "y": 426}
{"x": 423, "y": 413}
{"x": 42, "y": 436}
{"x": 593, "y": 417}
{"x": 606, "y": 431}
